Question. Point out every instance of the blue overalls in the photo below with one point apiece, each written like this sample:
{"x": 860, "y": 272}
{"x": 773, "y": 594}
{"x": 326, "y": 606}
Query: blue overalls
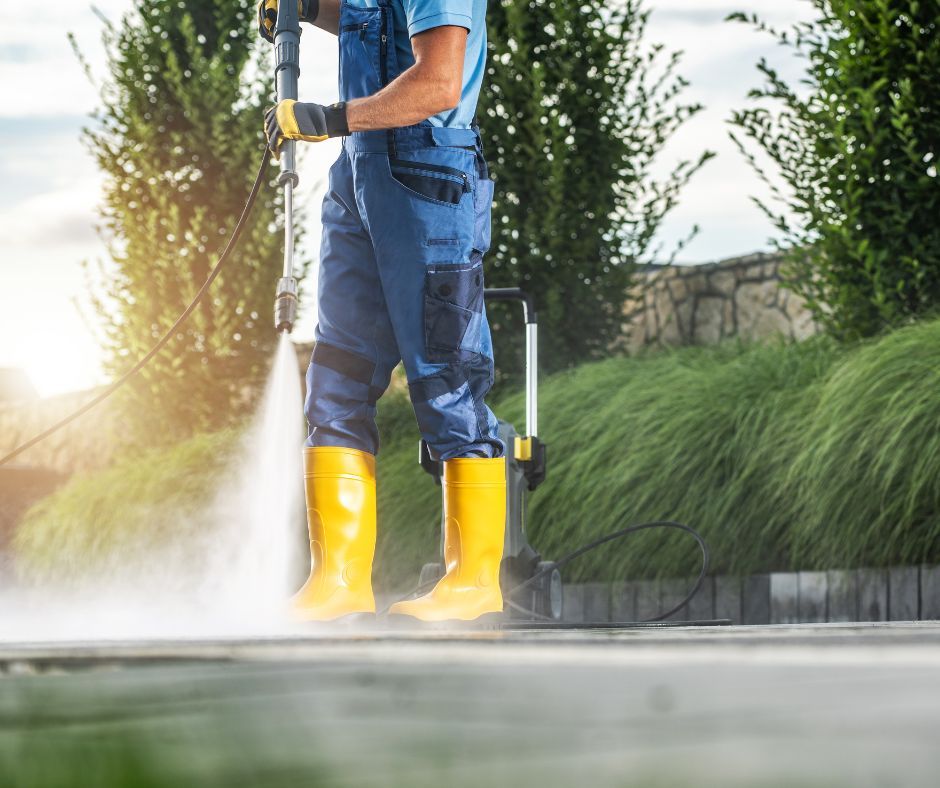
{"x": 406, "y": 222}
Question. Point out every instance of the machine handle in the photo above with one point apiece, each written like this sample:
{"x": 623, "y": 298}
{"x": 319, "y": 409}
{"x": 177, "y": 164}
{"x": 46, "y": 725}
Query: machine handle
{"x": 514, "y": 294}
{"x": 287, "y": 77}
{"x": 531, "y": 351}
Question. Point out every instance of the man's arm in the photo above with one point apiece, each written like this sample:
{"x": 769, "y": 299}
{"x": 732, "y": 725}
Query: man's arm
{"x": 432, "y": 85}
{"x": 328, "y": 16}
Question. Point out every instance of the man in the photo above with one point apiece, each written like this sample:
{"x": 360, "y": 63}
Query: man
{"x": 406, "y": 222}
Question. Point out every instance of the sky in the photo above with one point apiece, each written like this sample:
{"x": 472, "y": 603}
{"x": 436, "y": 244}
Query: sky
{"x": 50, "y": 189}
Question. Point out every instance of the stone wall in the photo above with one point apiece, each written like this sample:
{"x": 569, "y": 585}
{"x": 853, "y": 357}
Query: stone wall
{"x": 699, "y": 305}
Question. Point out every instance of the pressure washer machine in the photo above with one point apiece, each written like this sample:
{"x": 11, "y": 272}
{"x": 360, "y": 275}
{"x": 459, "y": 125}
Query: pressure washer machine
{"x": 532, "y": 586}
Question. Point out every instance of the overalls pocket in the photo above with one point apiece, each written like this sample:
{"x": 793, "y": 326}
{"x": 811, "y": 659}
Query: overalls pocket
{"x": 483, "y": 212}
{"x": 362, "y": 53}
{"x": 432, "y": 182}
{"x": 453, "y": 308}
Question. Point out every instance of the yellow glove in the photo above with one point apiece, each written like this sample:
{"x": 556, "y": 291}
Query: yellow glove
{"x": 291, "y": 120}
{"x": 267, "y": 15}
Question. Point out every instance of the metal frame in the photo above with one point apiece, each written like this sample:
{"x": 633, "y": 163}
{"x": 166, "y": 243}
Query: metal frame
{"x": 531, "y": 351}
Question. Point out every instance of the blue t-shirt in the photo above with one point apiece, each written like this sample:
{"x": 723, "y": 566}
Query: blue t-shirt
{"x": 416, "y": 16}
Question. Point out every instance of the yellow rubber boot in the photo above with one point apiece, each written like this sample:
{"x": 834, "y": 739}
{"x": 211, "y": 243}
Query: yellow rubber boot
{"x": 340, "y": 487}
{"x": 474, "y": 530}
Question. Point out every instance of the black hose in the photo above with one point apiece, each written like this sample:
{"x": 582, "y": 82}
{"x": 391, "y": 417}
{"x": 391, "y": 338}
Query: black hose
{"x": 622, "y": 533}
{"x": 567, "y": 559}
{"x": 213, "y": 275}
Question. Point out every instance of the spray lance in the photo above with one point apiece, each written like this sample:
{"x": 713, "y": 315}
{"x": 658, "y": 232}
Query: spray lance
{"x": 287, "y": 76}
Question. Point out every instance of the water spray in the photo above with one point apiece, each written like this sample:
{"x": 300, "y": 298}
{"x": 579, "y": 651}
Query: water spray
{"x": 264, "y": 558}
{"x": 287, "y": 76}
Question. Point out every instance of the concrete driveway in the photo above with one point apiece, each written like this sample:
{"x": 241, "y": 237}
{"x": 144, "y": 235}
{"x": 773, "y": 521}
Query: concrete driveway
{"x": 771, "y": 706}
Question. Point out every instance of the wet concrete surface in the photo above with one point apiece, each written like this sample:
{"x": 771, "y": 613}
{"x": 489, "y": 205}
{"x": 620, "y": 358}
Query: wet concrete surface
{"x": 804, "y": 705}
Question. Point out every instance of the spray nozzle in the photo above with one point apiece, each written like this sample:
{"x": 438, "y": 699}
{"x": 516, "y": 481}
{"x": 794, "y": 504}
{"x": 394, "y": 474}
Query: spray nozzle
{"x": 285, "y": 305}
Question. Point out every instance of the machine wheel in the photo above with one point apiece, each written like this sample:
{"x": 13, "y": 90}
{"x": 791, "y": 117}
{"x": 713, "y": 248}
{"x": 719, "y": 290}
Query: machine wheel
{"x": 551, "y": 594}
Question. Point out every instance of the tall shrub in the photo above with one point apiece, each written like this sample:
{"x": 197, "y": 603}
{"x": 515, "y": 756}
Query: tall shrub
{"x": 856, "y": 146}
{"x": 575, "y": 109}
{"x": 178, "y": 138}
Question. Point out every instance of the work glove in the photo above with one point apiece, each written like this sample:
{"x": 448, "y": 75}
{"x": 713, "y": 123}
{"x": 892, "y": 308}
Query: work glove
{"x": 291, "y": 120}
{"x": 267, "y": 15}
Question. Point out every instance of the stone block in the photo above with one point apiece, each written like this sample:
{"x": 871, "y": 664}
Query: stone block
{"x": 670, "y": 332}
{"x": 872, "y": 595}
{"x": 751, "y": 299}
{"x": 684, "y": 319}
{"x": 812, "y": 602}
{"x": 729, "y": 325}
{"x": 904, "y": 594}
{"x": 802, "y": 325}
{"x": 623, "y": 601}
{"x": 755, "y": 600}
{"x": 722, "y": 282}
{"x": 753, "y": 273}
{"x": 842, "y": 597}
{"x": 930, "y": 593}
{"x": 728, "y": 598}
{"x": 572, "y": 608}
{"x": 702, "y": 606}
{"x": 647, "y": 600}
{"x": 792, "y": 304}
{"x": 784, "y": 598}
{"x": 678, "y": 290}
{"x": 709, "y": 320}
{"x": 757, "y": 318}
{"x": 596, "y": 602}
{"x": 695, "y": 280}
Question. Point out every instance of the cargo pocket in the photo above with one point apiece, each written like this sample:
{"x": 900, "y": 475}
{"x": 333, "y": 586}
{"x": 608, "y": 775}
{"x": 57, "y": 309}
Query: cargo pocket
{"x": 433, "y": 182}
{"x": 453, "y": 307}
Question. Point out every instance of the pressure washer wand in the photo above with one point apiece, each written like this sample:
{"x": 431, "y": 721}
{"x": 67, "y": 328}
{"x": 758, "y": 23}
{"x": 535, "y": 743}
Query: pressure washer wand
{"x": 287, "y": 77}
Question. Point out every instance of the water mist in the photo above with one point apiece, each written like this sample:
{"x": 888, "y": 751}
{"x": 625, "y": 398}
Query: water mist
{"x": 244, "y": 554}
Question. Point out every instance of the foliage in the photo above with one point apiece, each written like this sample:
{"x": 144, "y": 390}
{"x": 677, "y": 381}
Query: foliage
{"x": 130, "y": 509}
{"x": 575, "y": 109}
{"x": 788, "y": 456}
{"x": 856, "y": 144}
{"x": 179, "y": 140}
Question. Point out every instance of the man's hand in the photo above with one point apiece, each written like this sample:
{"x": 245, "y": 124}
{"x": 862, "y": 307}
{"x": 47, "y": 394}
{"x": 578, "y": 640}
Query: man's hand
{"x": 291, "y": 120}
{"x": 267, "y": 15}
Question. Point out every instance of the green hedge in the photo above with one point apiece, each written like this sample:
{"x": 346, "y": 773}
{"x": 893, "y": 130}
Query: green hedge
{"x": 121, "y": 513}
{"x": 788, "y": 456}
